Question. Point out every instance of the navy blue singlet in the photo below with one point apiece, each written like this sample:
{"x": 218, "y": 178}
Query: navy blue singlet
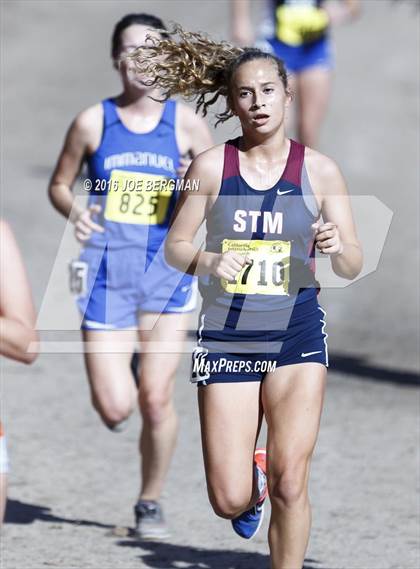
{"x": 273, "y": 228}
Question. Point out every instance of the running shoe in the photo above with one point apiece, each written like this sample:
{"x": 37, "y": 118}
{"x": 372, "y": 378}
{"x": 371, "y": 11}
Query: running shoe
{"x": 248, "y": 523}
{"x": 119, "y": 427}
{"x": 134, "y": 367}
{"x": 150, "y": 522}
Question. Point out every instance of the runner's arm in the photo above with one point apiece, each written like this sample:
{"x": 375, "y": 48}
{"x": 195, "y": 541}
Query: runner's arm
{"x": 197, "y": 131}
{"x": 194, "y": 136}
{"x": 340, "y": 240}
{"x": 81, "y": 138}
{"x": 17, "y": 312}
{"x": 189, "y": 215}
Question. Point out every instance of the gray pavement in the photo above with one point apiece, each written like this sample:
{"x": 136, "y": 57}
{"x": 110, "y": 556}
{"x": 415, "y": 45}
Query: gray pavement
{"x": 73, "y": 482}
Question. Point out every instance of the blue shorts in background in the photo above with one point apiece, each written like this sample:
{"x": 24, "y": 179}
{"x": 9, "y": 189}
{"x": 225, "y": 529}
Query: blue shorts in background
{"x": 122, "y": 283}
{"x": 302, "y": 57}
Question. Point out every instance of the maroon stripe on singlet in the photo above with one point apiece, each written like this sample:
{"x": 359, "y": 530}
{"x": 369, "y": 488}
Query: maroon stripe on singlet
{"x": 231, "y": 161}
{"x": 293, "y": 171}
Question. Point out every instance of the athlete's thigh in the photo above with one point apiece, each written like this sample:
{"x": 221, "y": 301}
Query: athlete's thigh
{"x": 292, "y": 398}
{"x": 313, "y": 87}
{"x": 162, "y": 339}
{"x": 3, "y": 495}
{"x": 292, "y": 109}
{"x": 107, "y": 357}
{"x": 230, "y": 417}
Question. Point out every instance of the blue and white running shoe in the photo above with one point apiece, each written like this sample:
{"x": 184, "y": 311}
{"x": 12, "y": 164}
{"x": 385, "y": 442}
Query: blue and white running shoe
{"x": 248, "y": 523}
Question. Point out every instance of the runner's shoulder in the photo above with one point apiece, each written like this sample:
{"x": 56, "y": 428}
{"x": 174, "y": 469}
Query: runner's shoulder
{"x": 208, "y": 168}
{"x": 188, "y": 118}
{"x": 322, "y": 170}
{"x": 6, "y": 232}
{"x": 210, "y": 158}
{"x": 9, "y": 247}
{"x": 88, "y": 124}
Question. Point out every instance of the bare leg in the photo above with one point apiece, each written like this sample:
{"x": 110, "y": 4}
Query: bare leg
{"x": 111, "y": 382}
{"x": 292, "y": 399}
{"x": 157, "y": 376}
{"x": 3, "y": 496}
{"x": 291, "y": 117}
{"x": 313, "y": 89}
{"x": 230, "y": 417}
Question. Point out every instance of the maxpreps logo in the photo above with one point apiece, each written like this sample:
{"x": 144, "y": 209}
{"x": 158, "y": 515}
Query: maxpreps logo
{"x": 203, "y": 368}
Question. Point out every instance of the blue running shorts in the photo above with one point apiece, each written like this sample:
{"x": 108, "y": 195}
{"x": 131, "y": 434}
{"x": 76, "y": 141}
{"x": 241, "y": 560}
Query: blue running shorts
{"x": 120, "y": 284}
{"x": 302, "y": 57}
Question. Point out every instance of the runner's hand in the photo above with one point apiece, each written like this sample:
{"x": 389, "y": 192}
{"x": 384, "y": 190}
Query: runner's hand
{"x": 327, "y": 238}
{"x": 228, "y": 265}
{"x": 84, "y": 225}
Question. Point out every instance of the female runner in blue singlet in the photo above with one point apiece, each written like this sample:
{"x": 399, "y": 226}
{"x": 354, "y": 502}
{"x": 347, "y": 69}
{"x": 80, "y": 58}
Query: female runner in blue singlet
{"x": 135, "y": 148}
{"x": 261, "y": 338}
{"x": 298, "y": 32}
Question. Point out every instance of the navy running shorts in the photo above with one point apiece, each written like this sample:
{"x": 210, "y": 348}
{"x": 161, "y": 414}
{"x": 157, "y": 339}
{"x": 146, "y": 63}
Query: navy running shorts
{"x": 229, "y": 355}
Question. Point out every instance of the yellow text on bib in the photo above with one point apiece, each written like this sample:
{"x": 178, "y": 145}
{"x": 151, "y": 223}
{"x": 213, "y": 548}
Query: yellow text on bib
{"x": 268, "y": 272}
{"x": 135, "y": 197}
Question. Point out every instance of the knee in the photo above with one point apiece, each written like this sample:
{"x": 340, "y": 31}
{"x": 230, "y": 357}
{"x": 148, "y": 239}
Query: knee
{"x": 228, "y": 503}
{"x": 113, "y": 412}
{"x": 155, "y": 406}
{"x": 288, "y": 485}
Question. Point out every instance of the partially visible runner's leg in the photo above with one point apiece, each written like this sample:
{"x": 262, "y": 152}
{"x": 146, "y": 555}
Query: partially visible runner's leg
{"x": 230, "y": 417}
{"x": 313, "y": 87}
{"x": 292, "y": 399}
{"x": 4, "y": 468}
{"x": 160, "y": 422}
{"x": 113, "y": 390}
{"x": 3, "y": 496}
{"x": 291, "y": 116}
{"x": 248, "y": 523}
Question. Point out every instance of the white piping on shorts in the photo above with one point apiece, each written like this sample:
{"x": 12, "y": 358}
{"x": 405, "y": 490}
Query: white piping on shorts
{"x": 191, "y": 304}
{"x": 200, "y": 350}
{"x": 98, "y": 325}
{"x": 201, "y": 328}
{"x": 325, "y": 334}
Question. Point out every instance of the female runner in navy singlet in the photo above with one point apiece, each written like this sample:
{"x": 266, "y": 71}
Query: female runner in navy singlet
{"x": 261, "y": 340}
{"x": 135, "y": 148}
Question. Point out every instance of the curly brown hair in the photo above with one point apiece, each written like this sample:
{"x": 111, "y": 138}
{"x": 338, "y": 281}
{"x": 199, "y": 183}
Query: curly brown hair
{"x": 192, "y": 65}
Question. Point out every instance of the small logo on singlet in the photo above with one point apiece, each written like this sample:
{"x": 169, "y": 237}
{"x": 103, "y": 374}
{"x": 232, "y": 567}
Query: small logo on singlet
{"x": 280, "y": 193}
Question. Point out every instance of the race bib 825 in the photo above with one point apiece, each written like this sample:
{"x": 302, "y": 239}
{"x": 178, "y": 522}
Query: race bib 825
{"x": 136, "y": 197}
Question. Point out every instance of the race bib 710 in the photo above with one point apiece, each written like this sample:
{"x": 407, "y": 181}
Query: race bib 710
{"x": 268, "y": 271}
